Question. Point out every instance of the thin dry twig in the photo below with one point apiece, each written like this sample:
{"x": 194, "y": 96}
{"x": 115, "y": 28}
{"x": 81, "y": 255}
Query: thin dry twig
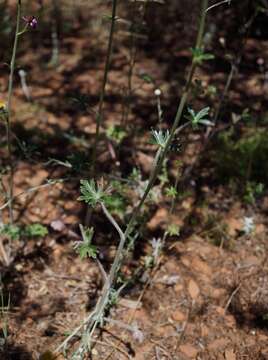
{"x": 28, "y": 191}
{"x": 231, "y": 297}
{"x": 162, "y": 348}
{"x": 115, "y": 346}
{"x": 4, "y": 254}
{"x": 218, "y": 4}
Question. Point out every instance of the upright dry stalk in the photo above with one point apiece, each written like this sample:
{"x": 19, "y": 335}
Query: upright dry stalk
{"x": 162, "y": 155}
{"x": 99, "y": 118}
{"x": 132, "y": 61}
{"x": 56, "y": 19}
{"x": 8, "y": 121}
{"x": 104, "y": 82}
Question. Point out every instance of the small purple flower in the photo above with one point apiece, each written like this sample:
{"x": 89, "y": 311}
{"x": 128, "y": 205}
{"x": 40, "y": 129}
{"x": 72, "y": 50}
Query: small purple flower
{"x": 30, "y": 21}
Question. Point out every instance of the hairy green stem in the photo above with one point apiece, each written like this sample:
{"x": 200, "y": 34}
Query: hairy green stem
{"x": 8, "y": 122}
{"x": 175, "y": 125}
{"x": 160, "y": 154}
{"x": 201, "y": 29}
{"x": 97, "y": 315}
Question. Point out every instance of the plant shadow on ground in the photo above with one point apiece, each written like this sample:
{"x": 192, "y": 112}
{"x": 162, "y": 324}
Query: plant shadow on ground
{"x": 252, "y": 318}
{"x": 13, "y": 284}
{"x": 243, "y": 320}
{"x": 15, "y": 352}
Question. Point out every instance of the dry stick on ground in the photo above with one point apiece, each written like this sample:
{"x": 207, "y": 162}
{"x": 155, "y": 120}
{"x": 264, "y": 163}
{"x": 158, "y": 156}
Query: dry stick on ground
{"x": 162, "y": 348}
{"x": 231, "y": 297}
{"x": 94, "y": 318}
{"x": 119, "y": 349}
{"x": 30, "y": 190}
{"x": 157, "y": 355}
{"x": 4, "y": 193}
{"x": 184, "y": 326}
{"x": 5, "y": 256}
{"x": 99, "y": 116}
{"x": 116, "y": 347}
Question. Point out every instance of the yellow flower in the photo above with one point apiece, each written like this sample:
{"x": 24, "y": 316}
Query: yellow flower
{"x": 2, "y": 105}
{"x": 3, "y": 110}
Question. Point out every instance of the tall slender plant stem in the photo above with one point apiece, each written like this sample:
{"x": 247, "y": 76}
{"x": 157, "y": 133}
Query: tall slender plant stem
{"x": 8, "y": 121}
{"x": 91, "y": 323}
{"x": 99, "y": 118}
{"x": 160, "y": 155}
{"x": 165, "y": 150}
{"x": 132, "y": 61}
{"x": 198, "y": 45}
{"x": 94, "y": 318}
{"x": 104, "y": 82}
{"x": 175, "y": 125}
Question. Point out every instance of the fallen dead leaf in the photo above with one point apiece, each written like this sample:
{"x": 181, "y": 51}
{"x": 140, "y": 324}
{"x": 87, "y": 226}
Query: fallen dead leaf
{"x": 187, "y": 204}
{"x": 234, "y": 225}
{"x": 229, "y": 354}
{"x": 259, "y": 229}
{"x": 145, "y": 162}
{"x": 200, "y": 266}
{"x": 38, "y": 178}
{"x": 230, "y": 321}
{"x": 220, "y": 310}
{"x": 193, "y": 289}
{"x": 159, "y": 218}
{"x": 178, "y": 288}
{"x": 178, "y": 316}
{"x": 204, "y": 330}
{"x": 218, "y": 344}
{"x": 218, "y": 293}
{"x": 189, "y": 350}
{"x": 263, "y": 337}
{"x": 186, "y": 261}
{"x": 130, "y": 304}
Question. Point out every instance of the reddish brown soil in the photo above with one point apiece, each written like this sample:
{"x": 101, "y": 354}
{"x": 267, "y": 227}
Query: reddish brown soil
{"x": 203, "y": 301}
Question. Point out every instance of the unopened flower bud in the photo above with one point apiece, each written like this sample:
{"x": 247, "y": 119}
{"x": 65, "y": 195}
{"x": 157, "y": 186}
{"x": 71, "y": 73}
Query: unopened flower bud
{"x": 30, "y": 21}
{"x": 157, "y": 92}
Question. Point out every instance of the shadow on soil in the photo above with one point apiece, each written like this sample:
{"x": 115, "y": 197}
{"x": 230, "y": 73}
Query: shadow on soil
{"x": 15, "y": 352}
